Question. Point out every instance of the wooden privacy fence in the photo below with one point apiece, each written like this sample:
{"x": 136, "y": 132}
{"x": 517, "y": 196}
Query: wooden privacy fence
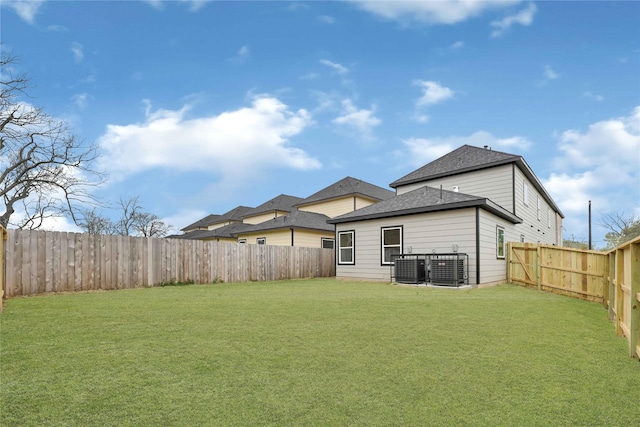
{"x": 623, "y": 293}
{"x": 565, "y": 271}
{"x": 611, "y": 278}
{"x": 39, "y": 261}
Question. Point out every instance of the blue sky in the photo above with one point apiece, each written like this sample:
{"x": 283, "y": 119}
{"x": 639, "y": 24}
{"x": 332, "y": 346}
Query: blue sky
{"x": 202, "y": 106}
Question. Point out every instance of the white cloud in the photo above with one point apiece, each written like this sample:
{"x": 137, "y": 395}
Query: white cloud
{"x": 422, "y": 150}
{"x": 524, "y": 17}
{"x": 78, "y": 51}
{"x": 242, "y": 55}
{"x": 601, "y": 164}
{"x": 81, "y": 100}
{"x": 593, "y": 96}
{"x": 57, "y": 29}
{"x": 549, "y": 74}
{"x": 25, "y": 9}
{"x": 457, "y": 45}
{"x": 431, "y": 12}
{"x": 194, "y": 5}
{"x": 234, "y": 144}
{"x": 432, "y": 93}
{"x": 338, "y": 68}
{"x": 361, "y": 120}
{"x": 326, "y": 19}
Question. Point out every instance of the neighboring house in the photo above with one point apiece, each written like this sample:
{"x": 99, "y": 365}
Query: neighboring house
{"x": 289, "y": 220}
{"x": 297, "y": 228}
{"x": 278, "y": 206}
{"x": 344, "y": 196}
{"x": 306, "y": 223}
{"x": 211, "y": 222}
{"x": 471, "y": 201}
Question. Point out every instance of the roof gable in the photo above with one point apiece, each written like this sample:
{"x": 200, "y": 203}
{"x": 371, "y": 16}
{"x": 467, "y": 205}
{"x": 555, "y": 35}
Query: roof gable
{"x": 464, "y": 159}
{"x": 283, "y": 203}
{"x": 234, "y": 214}
{"x": 348, "y": 186}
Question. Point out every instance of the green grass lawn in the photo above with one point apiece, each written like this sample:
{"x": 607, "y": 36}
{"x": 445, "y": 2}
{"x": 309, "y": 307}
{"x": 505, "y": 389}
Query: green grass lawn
{"x": 313, "y": 352}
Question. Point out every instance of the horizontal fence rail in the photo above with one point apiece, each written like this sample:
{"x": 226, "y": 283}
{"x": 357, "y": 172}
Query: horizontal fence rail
{"x": 40, "y": 262}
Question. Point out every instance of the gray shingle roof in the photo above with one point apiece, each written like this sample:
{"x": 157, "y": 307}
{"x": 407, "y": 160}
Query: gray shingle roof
{"x": 422, "y": 200}
{"x": 234, "y": 214}
{"x": 464, "y": 159}
{"x": 295, "y": 219}
{"x": 204, "y": 222}
{"x": 228, "y": 231}
{"x": 346, "y": 187}
{"x": 283, "y": 203}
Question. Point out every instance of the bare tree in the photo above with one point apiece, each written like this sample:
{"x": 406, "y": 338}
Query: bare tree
{"x": 45, "y": 170}
{"x": 92, "y": 222}
{"x": 622, "y": 228}
{"x": 133, "y": 221}
{"x": 150, "y": 225}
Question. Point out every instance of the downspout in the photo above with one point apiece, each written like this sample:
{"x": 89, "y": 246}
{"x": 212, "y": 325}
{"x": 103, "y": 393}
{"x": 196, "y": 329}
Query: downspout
{"x": 354, "y": 203}
{"x": 513, "y": 186}
{"x": 477, "y": 245}
{"x": 291, "y": 228}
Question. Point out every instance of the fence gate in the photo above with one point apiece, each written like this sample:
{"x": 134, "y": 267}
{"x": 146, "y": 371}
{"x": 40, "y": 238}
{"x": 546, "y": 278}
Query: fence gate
{"x": 523, "y": 264}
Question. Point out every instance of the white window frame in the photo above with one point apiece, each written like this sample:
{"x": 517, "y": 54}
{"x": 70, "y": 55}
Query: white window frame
{"x": 500, "y": 248}
{"x": 383, "y": 261}
{"x": 351, "y": 248}
{"x": 323, "y": 240}
{"x": 525, "y": 193}
{"x": 261, "y": 241}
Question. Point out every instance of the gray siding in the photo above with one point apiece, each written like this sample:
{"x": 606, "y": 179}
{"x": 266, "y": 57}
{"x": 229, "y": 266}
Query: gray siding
{"x": 422, "y": 233}
{"x": 493, "y": 183}
{"x": 492, "y": 268}
{"x": 534, "y": 229}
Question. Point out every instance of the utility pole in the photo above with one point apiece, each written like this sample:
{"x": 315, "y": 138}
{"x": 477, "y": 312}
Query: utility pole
{"x": 589, "y": 224}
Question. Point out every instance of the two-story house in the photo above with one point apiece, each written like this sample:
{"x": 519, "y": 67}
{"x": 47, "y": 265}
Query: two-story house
{"x": 288, "y": 220}
{"x": 472, "y": 201}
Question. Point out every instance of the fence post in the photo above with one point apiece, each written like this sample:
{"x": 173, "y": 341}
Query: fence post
{"x": 3, "y": 237}
{"x": 634, "y": 318}
{"x": 538, "y": 266}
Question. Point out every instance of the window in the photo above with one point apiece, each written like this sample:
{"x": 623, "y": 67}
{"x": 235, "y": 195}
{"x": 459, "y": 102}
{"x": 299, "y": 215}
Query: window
{"x": 242, "y": 240}
{"x": 346, "y": 247}
{"x": 391, "y": 241}
{"x": 525, "y": 194}
{"x": 499, "y": 242}
{"x": 328, "y": 243}
{"x": 549, "y": 217}
{"x": 538, "y": 205}
{"x": 261, "y": 241}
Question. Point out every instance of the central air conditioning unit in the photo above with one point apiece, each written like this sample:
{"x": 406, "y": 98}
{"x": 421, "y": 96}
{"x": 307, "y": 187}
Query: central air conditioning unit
{"x": 411, "y": 270}
{"x": 447, "y": 271}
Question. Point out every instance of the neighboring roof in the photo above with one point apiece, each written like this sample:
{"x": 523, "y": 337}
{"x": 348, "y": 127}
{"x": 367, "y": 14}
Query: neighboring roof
{"x": 283, "y": 203}
{"x": 204, "y": 222}
{"x": 468, "y": 158}
{"x": 294, "y": 219}
{"x": 234, "y": 214}
{"x": 347, "y": 187}
{"x": 464, "y": 159}
{"x": 422, "y": 200}
{"x": 227, "y": 231}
